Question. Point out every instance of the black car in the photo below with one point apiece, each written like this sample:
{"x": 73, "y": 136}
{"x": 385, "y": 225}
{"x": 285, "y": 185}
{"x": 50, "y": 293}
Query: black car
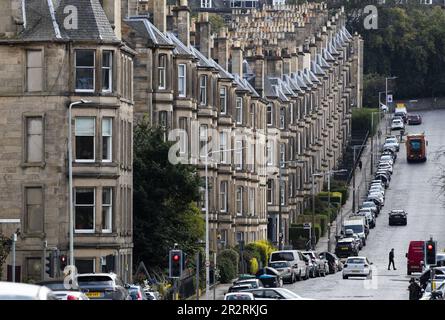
{"x": 398, "y": 217}
{"x": 346, "y": 247}
{"x": 414, "y": 119}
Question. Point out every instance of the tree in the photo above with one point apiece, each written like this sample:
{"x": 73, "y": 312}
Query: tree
{"x": 165, "y": 195}
{"x": 5, "y": 248}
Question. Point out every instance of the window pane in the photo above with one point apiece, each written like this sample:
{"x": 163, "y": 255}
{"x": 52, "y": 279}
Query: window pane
{"x": 34, "y": 148}
{"x": 84, "y": 196}
{"x": 106, "y": 196}
{"x": 85, "y": 148}
{"x": 106, "y": 127}
{"x": 84, "y": 58}
{"x": 34, "y": 79}
{"x": 34, "y": 58}
{"x": 106, "y": 59}
{"x": 85, "y": 218}
{"x": 85, "y": 78}
{"x": 34, "y": 209}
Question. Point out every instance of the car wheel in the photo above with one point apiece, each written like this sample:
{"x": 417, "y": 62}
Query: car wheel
{"x": 293, "y": 278}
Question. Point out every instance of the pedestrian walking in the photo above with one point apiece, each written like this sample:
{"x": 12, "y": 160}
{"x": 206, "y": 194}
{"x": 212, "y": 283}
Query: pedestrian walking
{"x": 360, "y": 164}
{"x": 391, "y": 259}
{"x": 415, "y": 291}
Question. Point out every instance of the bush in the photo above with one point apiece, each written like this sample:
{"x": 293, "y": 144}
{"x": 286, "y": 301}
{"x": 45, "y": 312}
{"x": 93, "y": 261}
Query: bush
{"x": 361, "y": 120}
{"x": 227, "y": 262}
{"x": 323, "y": 223}
{"x": 265, "y": 248}
{"x": 317, "y": 229}
{"x": 253, "y": 266}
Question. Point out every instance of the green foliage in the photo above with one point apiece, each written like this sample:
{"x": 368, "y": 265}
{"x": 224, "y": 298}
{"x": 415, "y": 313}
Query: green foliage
{"x": 227, "y": 262}
{"x": 217, "y": 22}
{"x": 409, "y": 43}
{"x": 339, "y": 186}
{"x": 5, "y": 248}
{"x": 361, "y": 120}
{"x": 253, "y": 263}
{"x": 164, "y": 200}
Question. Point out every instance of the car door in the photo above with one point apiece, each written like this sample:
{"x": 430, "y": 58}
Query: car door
{"x": 258, "y": 294}
{"x": 270, "y": 294}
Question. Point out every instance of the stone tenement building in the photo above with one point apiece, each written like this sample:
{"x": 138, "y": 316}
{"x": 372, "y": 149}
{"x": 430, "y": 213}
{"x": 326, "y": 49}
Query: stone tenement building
{"x": 290, "y": 72}
{"x": 49, "y": 58}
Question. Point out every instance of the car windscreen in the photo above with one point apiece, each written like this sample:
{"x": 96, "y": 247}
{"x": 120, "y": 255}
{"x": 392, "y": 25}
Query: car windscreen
{"x": 282, "y": 256}
{"x": 356, "y": 261}
{"x": 415, "y": 144}
{"x": 94, "y": 281}
{"x": 278, "y": 265}
{"x": 288, "y": 294}
{"x": 357, "y": 228}
{"x": 239, "y": 297}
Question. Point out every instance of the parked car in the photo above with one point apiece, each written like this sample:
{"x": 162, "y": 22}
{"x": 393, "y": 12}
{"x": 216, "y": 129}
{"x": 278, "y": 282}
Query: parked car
{"x": 369, "y": 215}
{"x": 383, "y": 179}
{"x": 357, "y": 266}
{"x": 103, "y": 286}
{"x": 372, "y": 206}
{"x": 294, "y": 257}
{"x": 22, "y": 291}
{"x": 415, "y": 256}
{"x": 398, "y": 217}
{"x": 334, "y": 262}
{"x": 255, "y": 283}
{"x": 321, "y": 268}
{"x": 377, "y": 199}
{"x": 237, "y": 296}
{"x": 137, "y": 293}
{"x": 357, "y": 226}
{"x": 392, "y": 154}
{"x": 270, "y": 278}
{"x": 346, "y": 247}
{"x": 286, "y": 270}
{"x": 385, "y": 166}
{"x": 274, "y": 294}
{"x": 440, "y": 259}
{"x": 311, "y": 267}
{"x": 392, "y": 141}
{"x": 426, "y": 275}
{"x": 397, "y": 124}
{"x": 438, "y": 293}
{"x": 388, "y": 157}
{"x": 70, "y": 295}
{"x": 414, "y": 119}
{"x": 240, "y": 287}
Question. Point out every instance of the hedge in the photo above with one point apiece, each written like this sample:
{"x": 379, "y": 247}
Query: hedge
{"x": 253, "y": 266}
{"x": 227, "y": 262}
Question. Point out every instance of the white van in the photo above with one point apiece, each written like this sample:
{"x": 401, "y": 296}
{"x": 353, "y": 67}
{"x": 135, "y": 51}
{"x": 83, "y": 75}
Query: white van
{"x": 357, "y": 225}
{"x": 296, "y": 259}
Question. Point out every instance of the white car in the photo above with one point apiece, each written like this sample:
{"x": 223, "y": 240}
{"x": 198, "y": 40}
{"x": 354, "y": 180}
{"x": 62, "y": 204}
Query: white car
{"x": 70, "y": 295}
{"x": 274, "y": 294}
{"x": 393, "y": 141}
{"x": 397, "y": 124}
{"x": 236, "y": 296}
{"x": 439, "y": 287}
{"x": 22, "y": 291}
{"x": 386, "y": 167}
{"x": 357, "y": 266}
{"x": 387, "y": 158}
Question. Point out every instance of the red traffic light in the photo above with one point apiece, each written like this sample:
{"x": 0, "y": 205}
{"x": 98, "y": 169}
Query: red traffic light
{"x": 430, "y": 247}
{"x": 176, "y": 257}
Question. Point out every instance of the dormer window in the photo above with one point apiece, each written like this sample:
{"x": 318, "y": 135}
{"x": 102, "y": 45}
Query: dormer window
{"x": 85, "y": 70}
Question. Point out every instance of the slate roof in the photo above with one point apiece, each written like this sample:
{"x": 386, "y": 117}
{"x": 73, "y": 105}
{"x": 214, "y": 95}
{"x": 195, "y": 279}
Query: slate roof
{"x": 45, "y": 21}
{"x": 180, "y": 48}
{"x": 144, "y": 28}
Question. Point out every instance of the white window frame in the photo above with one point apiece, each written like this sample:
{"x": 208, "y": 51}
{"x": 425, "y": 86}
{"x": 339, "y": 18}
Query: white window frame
{"x": 84, "y": 205}
{"x": 282, "y": 155}
{"x": 94, "y": 142}
{"x": 239, "y": 201}
{"x": 269, "y": 154}
{"x": 239, "y": 155}
{"x": 251, "y": 201}
{"x": 223, "y": 138}
{"x": 109, "y": 211}
{"x": 269, "y": 115}
{"x": 28, "y": 119}
{"x": 182, "y": 80}
{"x": 206, "y": 4}
{"x": 109, "y": 140}
{"x": 162, "y": 72}
{"x": 85, "y": 67}
{"x": 223, "y": 97}
{"x": 29, "y": 68}
{"x": 223, "y": 196}
{"x": 203, "y": 79}
{"x": 239, "y": 110}
{"x": 110, "y": 70}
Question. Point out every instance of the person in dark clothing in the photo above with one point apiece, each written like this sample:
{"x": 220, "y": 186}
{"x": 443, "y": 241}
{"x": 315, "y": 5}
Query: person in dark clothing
{"x": 360, "y": 164}
{"x": 391, "y": 259}
{"x": 415, "y": 291}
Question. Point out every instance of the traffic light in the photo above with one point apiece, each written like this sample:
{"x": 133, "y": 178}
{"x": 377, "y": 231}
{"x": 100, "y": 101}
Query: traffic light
{"x": 430, "y": 252}
{"x": 50, "y": 265}
{"x": 63, "y": 262}
{"x": 175, "y": 263}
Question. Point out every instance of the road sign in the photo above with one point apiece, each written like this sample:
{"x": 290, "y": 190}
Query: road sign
{"x": 307, "y": 225}
{"x": 389, "y": 97}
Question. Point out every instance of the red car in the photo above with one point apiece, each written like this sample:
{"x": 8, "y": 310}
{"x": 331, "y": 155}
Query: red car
{"x": 414, "y": 119}
{"x": 415, "y": 256}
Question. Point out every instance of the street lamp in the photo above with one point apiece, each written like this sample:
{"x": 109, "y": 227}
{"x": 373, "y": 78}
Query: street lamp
{"x": 386, "y": 88}
{"x": 207, "y": 240}
{"x": 70, "y": 174}
{"x": 353, "y": 177}
{"x": 280, "y": 221}
{"x": 372, "y": 139}
{"x": 313, "y": 209}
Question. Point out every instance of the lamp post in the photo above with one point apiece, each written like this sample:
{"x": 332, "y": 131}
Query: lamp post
{"x": 280, "y": 216}
{"x": 372, "y": 140}
{"x": 313, "y": 209}
{"x": 386, "y": 88}
{"x": 207, "y": 240}
{"x": 353, "y": 177}
{"x": 70, "y": 174}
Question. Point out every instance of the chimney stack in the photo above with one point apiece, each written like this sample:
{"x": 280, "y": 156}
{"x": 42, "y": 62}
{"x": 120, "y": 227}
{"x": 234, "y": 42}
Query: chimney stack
{"x": 184, "y": 22}
{"x": 223, "y": 49}
{"x": 237, "y": 59}
{"x": 203, "y": 34}
{"x": 260, "y": 70}
{"x": 160, "y": 15}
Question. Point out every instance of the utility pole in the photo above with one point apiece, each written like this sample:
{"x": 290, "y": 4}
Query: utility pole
{"x": 14, "y": 240}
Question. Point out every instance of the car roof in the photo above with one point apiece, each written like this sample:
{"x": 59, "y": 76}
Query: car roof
{"x": 239, "y": 293}
{"x": 398, "y": 210}
{"x": 359, "y": 257}
{"x": 279, "y": 261}
{"x": 22, "y": 289}
{"x": 346, "y": 240}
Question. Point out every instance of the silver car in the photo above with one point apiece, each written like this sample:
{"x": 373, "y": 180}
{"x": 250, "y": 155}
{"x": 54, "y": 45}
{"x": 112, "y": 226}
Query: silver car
{"x": 22, "y": 291}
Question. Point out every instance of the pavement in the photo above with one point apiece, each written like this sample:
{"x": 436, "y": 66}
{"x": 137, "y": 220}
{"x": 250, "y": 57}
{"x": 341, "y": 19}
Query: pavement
{"x": 414, "y": 187}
